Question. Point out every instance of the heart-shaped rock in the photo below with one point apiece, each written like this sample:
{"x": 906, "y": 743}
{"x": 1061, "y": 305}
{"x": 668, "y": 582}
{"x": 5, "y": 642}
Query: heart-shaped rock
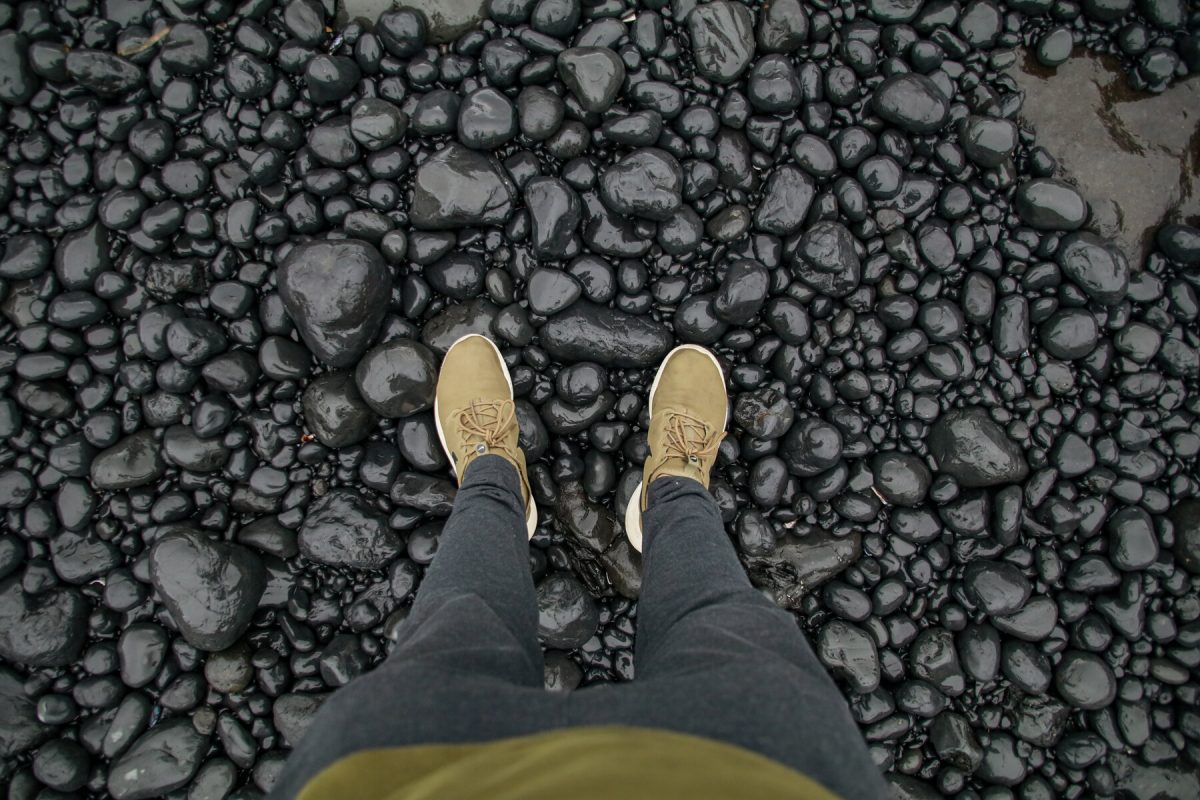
{"x": 336, "y": 292}
{"x": 211, "y": 588}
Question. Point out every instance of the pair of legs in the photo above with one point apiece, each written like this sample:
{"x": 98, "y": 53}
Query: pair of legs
{"x": 714, "y": 657}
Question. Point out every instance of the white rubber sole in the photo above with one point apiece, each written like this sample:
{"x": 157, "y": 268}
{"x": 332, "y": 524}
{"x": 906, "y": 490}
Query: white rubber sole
{"x": 531, "y": 513}
{"x": 633, "y": 511}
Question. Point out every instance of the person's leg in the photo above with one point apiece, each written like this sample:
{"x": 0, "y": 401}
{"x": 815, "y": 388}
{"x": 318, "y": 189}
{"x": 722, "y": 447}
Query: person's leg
{"x": 692, "y": 581}
{"x": 716, "y": 658}
{"x": 476, "y": 609}
{"x": 467, "y": 665}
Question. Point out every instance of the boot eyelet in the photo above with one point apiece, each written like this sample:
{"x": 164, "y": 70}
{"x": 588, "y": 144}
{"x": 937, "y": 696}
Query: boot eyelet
{"x": 481, "y": 448}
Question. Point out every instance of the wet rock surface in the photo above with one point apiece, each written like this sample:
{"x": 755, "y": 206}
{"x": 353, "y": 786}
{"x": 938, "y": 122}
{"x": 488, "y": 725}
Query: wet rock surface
{"x": 235, "y": 241}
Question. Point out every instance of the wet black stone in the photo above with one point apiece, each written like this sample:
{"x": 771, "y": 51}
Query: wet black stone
{"x": 826, "y": 260}
{"x": 1069, "y": 334}
{"x": 376, "y": 124}
{"x": 293, "y": 713}
{"x": 160, "y": 761}
{"x": 330, "y": 78}
{"x": 811, "y": 446}
{"x": 341, "y": 529}
{"x": 551, "y": 291}
{"x": 1054, "y": 47}
{"x": 646, "y": 183}
{"x": 1185, "y": 518}
{"x": 589, "y": 332}
{"x": 103, "y": 73}
{"x": 134, "y": 461}
{"x": 567, "y": 615}
{"x": 81, "y": 256}
{"x": 974, "y": 450}
{"x": 912, "y": 102}
{"x": 1050, "y": 204}
{"x": 849, "y": 653}
{"x": 486, "y": 120}
{"x": 988, "y": 141}
{"x": 210, "y": 588}
{"x": 765, "y": 414}
{"x": 782, "y": 27}
{"x": 743, "y": 292}
{"x": 555, "y": 212}
{"x": 335, "y": 412}
{"x": 183, "y": 448}
{"x": 1180, "y": 243}
{"x": 998, "y": 587}
{"x": 17, "y": 82}
{"x": 1095, "y": 266}
{"x": 593, "y": 74}
{"x": 785, "y": 202}
{"x": 1132, "y": 543}
{"x": 722, "y": 38}
{"x": 901, "y": 478}
{"x": 457, "y": 187}
{"x": 44, "y": 629}
{"x": 397, "y": 378}
{"x": 1084, "y": 680}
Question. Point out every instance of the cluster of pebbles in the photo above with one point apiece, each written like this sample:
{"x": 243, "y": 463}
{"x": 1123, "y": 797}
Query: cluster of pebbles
{"x": 237, "y": 239}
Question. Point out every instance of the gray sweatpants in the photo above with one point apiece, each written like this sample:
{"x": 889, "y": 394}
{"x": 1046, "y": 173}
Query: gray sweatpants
{"x": 713, "y": 656}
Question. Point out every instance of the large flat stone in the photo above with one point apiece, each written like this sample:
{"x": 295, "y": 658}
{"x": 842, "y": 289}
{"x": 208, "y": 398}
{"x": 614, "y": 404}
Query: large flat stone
{"x": 1134, "y": 156}
{"x": 448, "y": 19}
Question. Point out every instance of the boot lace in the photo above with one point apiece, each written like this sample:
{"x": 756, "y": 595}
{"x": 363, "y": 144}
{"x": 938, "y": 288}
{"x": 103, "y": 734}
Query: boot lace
{"x": 485, "y": 425}
{"x": 689, "y": 438}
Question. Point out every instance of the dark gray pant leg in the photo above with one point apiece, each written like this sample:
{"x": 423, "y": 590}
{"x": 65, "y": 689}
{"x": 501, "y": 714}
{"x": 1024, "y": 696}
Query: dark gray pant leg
{"x": 716, "y": 658}
{"x": 476, "y": 609}
{"x": 467, "y": 666}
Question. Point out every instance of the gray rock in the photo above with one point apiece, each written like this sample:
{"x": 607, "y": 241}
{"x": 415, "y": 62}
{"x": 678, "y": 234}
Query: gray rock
{"x": 1095, "y": 266}
{"x": 988, "y": 141}
{"x": 554, "y": 213}
{"x": 448, "y": 19}
{"x": 17, "y": 82}
{"x": 646, "y": 183}
{"x": 474, "y": 316}
{"x": 1050, "y": 204}
{"x": 398, "y": 378}
{"x": 20, "y": 730}
{"x": 722, "y": 35}
{"x": 162, "y": 760}
{"x": 826, "y": 260}
{"x": 341, "y": 530}
{"x": 1084, "y": 680}
{"x": 457, "y": 187}
{"x": 590, "y": 332}
{"x": 47, "y": 629}
{"x": 211, "y": 588}
{"x": 567, "y": 615}
{"x": 336, "y": 292}
{"x": 849, "y": 653}
{"x": 293, "y": 713}
{"x": 969, "y": 446}
{"x": 593, "y": 74}
{"x": 788, "y": 194}
{"x": 134, "y": 461}
{"x": 1185, "y": 517}
{"x": 912, "y": 102}
{"x": 335, "y": 412}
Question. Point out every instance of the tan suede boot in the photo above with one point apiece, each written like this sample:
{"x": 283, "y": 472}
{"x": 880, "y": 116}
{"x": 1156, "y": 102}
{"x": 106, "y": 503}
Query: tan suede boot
{"x": 475, "y": 413}
{"x": 688, "y": 414}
